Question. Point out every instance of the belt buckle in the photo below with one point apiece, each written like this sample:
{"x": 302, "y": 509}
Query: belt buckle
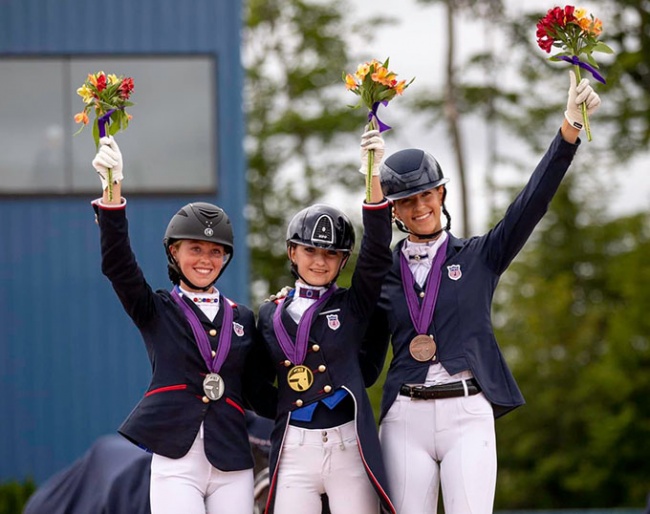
{"x": 415, "y": 388}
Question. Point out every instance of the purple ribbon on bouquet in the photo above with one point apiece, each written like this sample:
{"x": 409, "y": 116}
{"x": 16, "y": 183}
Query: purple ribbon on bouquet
{"x": 102, "y": 121}
{"x": 373, "y": 114}
{"x": 577, "y": 62}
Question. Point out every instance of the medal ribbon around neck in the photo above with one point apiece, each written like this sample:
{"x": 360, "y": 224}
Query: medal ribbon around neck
{"x": 213, "y": 363}
{"x": 297, "y": 351}
{"x": 421, "y": 316}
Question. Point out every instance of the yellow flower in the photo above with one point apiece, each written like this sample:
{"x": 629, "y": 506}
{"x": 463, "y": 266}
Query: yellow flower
{"x": 580, "y": 13}
{"x": 400, "y": 87}
{"x": 381, "y": 75}
{"x": 362, "y": 70}
{"x": 350, "y": 83}
{"x": 81, "y": 117}
{"x": 112, "y": 79}
{"x": 85, "y": 93}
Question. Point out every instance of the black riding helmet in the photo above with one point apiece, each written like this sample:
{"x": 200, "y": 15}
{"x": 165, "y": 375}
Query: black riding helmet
{"x": 321, "y": 226}
{"x": 409, "y": 172}
{"x": 203, "y": 222}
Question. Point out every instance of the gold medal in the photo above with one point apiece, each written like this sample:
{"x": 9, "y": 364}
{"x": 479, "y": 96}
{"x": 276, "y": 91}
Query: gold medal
{"x": 423, "y": 348}
{"x": 300, "y": 378}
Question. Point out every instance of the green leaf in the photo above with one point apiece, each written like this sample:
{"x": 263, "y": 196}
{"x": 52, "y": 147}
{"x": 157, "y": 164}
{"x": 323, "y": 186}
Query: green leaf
{"x": 96, "y": 134}
{"x": 603, "y": 48}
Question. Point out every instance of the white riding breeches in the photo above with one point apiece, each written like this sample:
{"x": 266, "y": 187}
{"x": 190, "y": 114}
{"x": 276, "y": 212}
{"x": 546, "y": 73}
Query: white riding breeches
{"x": 449, "y": 442}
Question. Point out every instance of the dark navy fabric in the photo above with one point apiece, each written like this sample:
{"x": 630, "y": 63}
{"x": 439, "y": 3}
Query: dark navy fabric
{"x": 112, "y": 477}
{"x": 462, "y": 326}
{"x": 335, "y": 342}
{"x": 167, "y": 419}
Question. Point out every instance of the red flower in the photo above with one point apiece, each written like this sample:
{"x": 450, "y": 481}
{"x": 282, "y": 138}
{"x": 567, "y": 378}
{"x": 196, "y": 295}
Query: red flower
{"x": 126, "y": 88}
{"x": 101, "y": 82}
{"x": 556, "y": 18}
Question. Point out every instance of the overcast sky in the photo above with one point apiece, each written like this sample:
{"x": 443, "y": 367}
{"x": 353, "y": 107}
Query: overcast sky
{"x": 409, "y": 44}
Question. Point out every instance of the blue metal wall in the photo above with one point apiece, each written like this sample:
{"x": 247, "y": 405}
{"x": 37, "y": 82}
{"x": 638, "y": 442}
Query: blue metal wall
{"x": 71, "y": 363}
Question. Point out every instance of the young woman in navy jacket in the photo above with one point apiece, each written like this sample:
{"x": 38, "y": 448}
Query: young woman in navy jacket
{"x": 448, "y": 379}
{"x": 191, "y": 417}
{"x": 325, "y": 439}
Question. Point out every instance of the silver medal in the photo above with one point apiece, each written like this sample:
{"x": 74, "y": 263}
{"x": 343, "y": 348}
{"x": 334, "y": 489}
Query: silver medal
{"x": 213, "y": 386}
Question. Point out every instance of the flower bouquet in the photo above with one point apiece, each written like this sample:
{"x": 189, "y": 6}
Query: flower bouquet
{"x": 108, "y": 97}
{"x": 375, "y": 85}
{"x": 576, "y": 33}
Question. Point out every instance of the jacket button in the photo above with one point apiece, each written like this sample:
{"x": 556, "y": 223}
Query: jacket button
{"x": 299, "y": 403}
{"x": 287, "y": 363}
{"x": 422, "y": 294}
{"x": 322, "y": 368}
{"x": 315, "y": 348}
{"x": 205, "y": 399}
{"x": 327, "y": 388}
{"x": 214, "y": 354}
{"x": 213, "y": 332}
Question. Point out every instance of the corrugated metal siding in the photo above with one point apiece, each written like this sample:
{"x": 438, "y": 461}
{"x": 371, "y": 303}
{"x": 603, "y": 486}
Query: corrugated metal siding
{"x": 71, "y": 363}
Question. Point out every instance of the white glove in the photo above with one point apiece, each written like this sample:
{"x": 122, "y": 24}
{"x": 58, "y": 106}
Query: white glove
{"x": 371, "y": 140}
{"x": 108, "y": 156}
{"x": 583, "y": 92}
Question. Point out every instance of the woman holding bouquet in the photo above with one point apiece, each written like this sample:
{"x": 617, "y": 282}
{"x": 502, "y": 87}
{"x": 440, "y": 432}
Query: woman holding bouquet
{"x": 448, "y": 380}
{"x": 191, "y": 417}
{"x": 325, "y": 438}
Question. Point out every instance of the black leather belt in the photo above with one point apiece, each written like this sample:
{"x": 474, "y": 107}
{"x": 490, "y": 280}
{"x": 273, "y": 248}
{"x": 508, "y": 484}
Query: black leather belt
{"x": 452, "y": 390}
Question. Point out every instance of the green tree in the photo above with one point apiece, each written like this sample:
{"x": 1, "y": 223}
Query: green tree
{"x": 300, "y": 128}
{"x": 570, "y": 315}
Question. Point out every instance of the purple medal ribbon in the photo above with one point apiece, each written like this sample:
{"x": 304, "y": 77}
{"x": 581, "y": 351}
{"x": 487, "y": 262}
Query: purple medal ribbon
{"x": 373, "y": 114}
{"x": 213, "y": 363}
{"x": 422, "y": 316}
{"x": 296, "y": 352}
{"x": 577, "y": 62}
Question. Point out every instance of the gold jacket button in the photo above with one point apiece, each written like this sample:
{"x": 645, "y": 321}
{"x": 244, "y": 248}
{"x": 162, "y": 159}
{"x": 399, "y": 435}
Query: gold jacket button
{"x": 205, "y": 399}
{"x": 327, "y": 388}
{"x": 287, "y": 363}
{"x": 322, "y": 368}
{"x": 299, "y": 403}
{"x": 316, "y": 348}
{"x": 213, "y": 332}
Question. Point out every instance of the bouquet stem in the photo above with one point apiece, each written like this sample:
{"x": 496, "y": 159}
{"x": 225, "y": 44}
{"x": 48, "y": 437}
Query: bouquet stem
{"x": 371, "y": 161}
{"x": 583, "y": 106}
{"x": 109, "y": 178}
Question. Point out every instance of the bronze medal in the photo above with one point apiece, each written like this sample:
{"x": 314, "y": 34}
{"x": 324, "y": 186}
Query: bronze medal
{"x": 300, "y": 378}
{"x": 213, "y": 386}
{"x": 423, "y": 348}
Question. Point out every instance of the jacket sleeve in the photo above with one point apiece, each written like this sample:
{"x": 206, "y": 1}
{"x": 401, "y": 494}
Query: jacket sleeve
{"x": 374, "y": 347}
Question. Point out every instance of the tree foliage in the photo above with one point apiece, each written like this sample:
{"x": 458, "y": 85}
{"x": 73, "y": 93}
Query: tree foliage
{"x": 570, "y": 316}
{"x": 298, "y": 116}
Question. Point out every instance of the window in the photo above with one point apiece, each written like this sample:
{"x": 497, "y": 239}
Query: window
{"x": 169, "y": 147}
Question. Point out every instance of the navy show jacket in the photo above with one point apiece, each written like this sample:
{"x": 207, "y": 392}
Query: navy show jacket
{"x": 167, "y": 419}
{"x": 461, "y": 325}
{"x": 334, "y": 349}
